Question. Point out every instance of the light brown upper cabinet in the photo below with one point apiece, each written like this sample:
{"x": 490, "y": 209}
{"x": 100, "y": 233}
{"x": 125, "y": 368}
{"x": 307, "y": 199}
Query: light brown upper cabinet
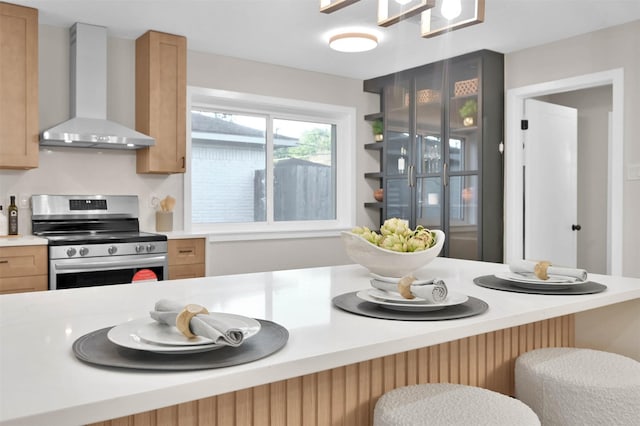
{"x": 18, "y": 87}
{"x": 161, "y": 96}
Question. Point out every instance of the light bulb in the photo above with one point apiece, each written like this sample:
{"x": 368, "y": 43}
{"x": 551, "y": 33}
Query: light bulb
{"x": 451, "y": 9}
{"x": 403, "y": 2}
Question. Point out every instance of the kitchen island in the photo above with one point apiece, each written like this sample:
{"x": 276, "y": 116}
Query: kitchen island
{"x": 332, "y": 370}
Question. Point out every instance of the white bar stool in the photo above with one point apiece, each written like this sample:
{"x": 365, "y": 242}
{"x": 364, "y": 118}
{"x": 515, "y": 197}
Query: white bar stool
{"x": 571, "y": 386}
{"x": 445, "y": 404}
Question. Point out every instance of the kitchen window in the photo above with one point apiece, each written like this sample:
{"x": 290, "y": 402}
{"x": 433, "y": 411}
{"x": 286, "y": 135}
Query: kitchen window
{"x": 263, "y": 167}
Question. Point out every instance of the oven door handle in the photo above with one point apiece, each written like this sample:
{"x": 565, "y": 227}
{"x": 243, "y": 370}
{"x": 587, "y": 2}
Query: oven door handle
{"x": 145, "y": 262}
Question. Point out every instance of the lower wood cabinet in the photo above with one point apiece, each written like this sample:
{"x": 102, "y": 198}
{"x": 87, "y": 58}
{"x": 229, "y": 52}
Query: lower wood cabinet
{"x": 23, "y": 268}
{"x": 186, "y": 258}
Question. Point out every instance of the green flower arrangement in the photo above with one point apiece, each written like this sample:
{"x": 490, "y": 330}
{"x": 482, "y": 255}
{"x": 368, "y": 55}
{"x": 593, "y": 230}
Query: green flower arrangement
{"x": 395, "y": 235}
{"x": 377, "y": 128}
{"x": 469, "y": 109}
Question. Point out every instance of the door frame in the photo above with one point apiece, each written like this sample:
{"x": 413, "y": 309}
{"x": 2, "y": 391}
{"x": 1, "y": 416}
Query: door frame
{"x": 514, "y": 188}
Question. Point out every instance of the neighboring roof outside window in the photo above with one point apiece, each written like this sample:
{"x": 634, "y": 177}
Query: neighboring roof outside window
{"x": 209, "y": 128}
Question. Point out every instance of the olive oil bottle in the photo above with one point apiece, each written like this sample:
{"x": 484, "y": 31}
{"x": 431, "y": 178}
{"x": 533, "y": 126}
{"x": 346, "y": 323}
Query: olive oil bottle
{"x": 12, "y": 211}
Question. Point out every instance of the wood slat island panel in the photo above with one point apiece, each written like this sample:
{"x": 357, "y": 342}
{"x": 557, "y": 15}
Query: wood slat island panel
{"x": 347, "y": 395}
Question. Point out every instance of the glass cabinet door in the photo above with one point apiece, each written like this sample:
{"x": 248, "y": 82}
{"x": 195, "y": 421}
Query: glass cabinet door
{"x": 463, "y": 160}
{"x": 397, "y": 141}
{"x": 429, "y": 150}
{"x": 397, "y": 150}
{"x": 398, "y": 199}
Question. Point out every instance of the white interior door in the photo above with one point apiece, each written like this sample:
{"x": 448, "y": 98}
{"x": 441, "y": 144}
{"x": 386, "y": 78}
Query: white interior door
{"x": 550, "y": 183}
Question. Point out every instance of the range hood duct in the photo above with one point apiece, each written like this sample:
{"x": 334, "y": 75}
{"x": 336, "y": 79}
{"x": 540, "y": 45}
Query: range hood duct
{"x": 89, "y": 127}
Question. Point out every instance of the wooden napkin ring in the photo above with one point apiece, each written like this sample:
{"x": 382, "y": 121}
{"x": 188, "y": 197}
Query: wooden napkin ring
{"x": 404, "y": 287}
{"x": 540, "y": 270}
{"x": 184, "y": 318}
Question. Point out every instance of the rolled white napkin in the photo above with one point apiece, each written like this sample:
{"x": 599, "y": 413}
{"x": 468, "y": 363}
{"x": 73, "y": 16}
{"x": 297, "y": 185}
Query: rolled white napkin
{"x": 528, "y": 266}
{"x": 166, "y": 312}
{"x": 434, "y": 291}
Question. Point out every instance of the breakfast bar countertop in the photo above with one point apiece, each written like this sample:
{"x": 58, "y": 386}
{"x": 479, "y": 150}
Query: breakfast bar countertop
{"x": 42, "y": 382}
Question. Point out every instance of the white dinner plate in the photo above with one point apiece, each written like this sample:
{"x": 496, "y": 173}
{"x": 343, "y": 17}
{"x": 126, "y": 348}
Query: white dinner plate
{"x": 452, "y": 300}
{"x": 162, "y": 334}
{"x": 126, "y": 335}
{"x": 395, "y": 280}
{"x": 533, "y": 282}
{"x": 392, "y": 296}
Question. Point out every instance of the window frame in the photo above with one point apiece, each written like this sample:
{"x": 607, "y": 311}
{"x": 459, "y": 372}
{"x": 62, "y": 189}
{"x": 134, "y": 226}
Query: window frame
{"x": 344, "y": 118}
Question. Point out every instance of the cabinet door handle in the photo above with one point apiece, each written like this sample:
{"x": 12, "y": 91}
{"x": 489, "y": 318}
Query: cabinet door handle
{"x": 411, "y": 176}
{"x": 4, "y": 261}
{"x": 445, "y": 175}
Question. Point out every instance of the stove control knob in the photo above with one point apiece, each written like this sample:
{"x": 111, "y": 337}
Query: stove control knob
{"x": 84, "y": 251}
{"x": 139, "y": 248}
{"x": 71, "y": 252}
{"x": 112, "y": 250}
{"x": 150, "y": 248}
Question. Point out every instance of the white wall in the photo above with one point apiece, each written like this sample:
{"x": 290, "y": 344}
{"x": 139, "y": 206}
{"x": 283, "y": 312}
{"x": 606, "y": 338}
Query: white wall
{"x": 613, "y": 328}
{"x": 611, "y": 48}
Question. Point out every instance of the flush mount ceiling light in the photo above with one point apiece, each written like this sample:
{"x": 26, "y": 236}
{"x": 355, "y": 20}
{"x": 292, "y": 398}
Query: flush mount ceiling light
{"x": 450, "y": 15}
{"x": 353, "y": 42}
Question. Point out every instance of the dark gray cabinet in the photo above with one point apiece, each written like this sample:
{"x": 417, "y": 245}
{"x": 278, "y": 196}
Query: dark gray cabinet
{"x": 441, "y": 163}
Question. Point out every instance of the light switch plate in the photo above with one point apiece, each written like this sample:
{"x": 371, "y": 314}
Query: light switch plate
{"x": 633, "y": 172}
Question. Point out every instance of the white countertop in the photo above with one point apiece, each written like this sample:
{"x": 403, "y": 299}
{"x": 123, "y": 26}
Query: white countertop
{"x": 181, "y": 235}
{"x": 43, "y": 383}
{"x": 22, "y": 240}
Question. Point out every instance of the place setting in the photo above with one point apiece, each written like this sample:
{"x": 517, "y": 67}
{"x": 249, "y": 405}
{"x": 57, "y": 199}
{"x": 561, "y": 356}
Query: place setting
{"x": 541, "y": 277}
{"x": 176, "y": 336}
{"x": 409, "y": 299}
{"x": 394, "y": 257}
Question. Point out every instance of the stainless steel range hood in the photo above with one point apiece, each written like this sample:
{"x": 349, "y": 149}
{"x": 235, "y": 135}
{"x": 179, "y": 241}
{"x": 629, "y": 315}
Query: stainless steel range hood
{"x": 89, "y": 127}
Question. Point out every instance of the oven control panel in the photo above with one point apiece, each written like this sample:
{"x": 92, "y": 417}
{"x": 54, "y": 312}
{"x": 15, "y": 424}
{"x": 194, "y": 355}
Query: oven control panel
{"x": 106, "y": 250}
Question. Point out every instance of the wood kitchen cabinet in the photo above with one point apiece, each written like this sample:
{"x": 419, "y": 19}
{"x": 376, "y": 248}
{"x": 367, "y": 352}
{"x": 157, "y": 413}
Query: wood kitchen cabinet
{"x": 161, "y": 96}
{"x": 18, "y": 87}
{"x": 186, "y": 258}
{"x": 23, "y": 268}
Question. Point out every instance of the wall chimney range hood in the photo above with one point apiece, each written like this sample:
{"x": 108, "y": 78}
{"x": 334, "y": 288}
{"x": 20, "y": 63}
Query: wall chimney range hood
{"x": 89, "y": 127}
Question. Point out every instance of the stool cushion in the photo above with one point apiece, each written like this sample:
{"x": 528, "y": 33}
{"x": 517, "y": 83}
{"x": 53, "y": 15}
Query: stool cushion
{"x": 571, "y": 386}
{"x": 448, "y": 404}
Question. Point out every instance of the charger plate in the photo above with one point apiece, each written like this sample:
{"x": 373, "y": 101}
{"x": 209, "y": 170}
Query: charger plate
{"x": 350, "y": 302}
{"x": 493, "y": 282}
{"x": 96, "y": 348}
